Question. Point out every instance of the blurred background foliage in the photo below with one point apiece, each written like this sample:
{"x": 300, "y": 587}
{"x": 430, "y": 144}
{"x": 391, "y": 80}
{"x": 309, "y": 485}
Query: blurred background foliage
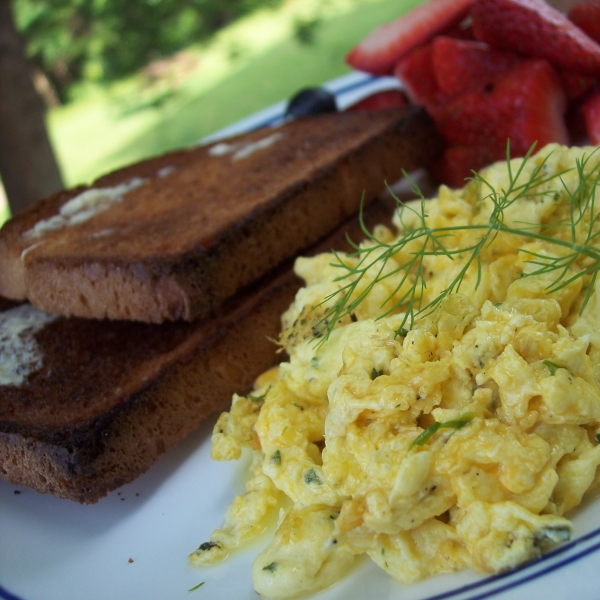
{"x": 104, "y": 40}
{"x": 126, "y": 80}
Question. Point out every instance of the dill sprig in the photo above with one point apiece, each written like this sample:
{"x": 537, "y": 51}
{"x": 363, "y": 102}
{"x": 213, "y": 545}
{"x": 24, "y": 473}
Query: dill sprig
{"x": 575, "y": 237}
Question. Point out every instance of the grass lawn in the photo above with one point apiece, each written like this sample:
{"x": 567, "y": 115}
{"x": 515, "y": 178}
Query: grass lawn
{"x": 247, "y": 66}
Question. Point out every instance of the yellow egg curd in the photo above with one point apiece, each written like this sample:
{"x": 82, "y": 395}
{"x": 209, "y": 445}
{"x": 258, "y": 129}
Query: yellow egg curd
{"x": 440, "y": 407}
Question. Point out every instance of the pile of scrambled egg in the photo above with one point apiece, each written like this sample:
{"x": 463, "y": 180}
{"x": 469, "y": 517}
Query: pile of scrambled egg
{"x": 462, "y": 440}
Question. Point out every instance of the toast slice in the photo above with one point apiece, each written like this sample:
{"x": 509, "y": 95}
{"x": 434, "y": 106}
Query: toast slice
{"x": 88, "y": 405}
{"x": 174, "y": 236}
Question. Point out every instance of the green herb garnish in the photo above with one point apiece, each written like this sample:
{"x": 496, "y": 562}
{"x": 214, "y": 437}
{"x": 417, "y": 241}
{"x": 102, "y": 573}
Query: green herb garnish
{"x": 375, "y": 373}
{"x": 578, "y": 238}
{"x": 311, "y": 477}
{"x": 457, "y": 424}
{"x": 207, "y": 546}
{"x": 196, "y": 586}
{"x": 553, "y": 367}
{"x": 270, "y": 567}
{"x": 276, "y": 457}
{"x": 259, "y": 398}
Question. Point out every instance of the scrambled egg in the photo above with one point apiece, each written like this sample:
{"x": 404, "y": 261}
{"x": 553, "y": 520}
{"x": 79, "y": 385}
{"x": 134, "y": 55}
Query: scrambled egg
{"x": 458, "y": 438}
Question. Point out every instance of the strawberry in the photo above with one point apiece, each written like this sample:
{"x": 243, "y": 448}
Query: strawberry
{"x": 415, "y": 71}
{"x": 379, "y": 100}
{"x": 586, "y": 16}
{"x": 525, "y": 105}
{"x": 575, "y": 122}
{"x": 461, "y": 65}
{"x": 462, "y": 31}
{"x": 535, "y": 29}
{"x": 384, "y": 46}
{"x": 591, "y": 114}
{"x": 576, "y": 84}
{"x": 457, "y": 163}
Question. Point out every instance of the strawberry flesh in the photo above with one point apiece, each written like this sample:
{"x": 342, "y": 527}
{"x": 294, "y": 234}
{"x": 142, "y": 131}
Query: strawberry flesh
{"x": 379, "y": 100}
{"x": 384, "y": 46}
{"x": 591, "y": 115}
{"x": 457, "y": 163}
{"x": 586, "y": 16}
{"x": 415, "y": 71}
{"x": 576, "y": 84}
{"x": 461, "y": 65}
{"x": 525, "y": 105}
{"x": 535, "y": 29}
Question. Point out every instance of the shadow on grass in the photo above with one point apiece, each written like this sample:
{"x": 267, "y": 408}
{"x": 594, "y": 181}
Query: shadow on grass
{"x": 155, "y": 100}
{"x": 273, "y": 76}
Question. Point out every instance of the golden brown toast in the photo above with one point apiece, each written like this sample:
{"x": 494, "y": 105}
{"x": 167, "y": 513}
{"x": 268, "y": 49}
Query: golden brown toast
{"x": 173, "y": 237}
{"x": 92, "y": 404}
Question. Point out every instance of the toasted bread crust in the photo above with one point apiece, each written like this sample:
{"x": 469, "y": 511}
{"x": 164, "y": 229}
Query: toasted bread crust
{"x": 159, "y": 255}
{"x": 111, "y": 397}
{"x": 81, "y": 437}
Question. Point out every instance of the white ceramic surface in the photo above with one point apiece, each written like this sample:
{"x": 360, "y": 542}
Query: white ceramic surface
{"x": 134, "y": 543}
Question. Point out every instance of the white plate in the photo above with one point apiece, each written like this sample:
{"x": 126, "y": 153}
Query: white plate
{"x": 134, "y": 543}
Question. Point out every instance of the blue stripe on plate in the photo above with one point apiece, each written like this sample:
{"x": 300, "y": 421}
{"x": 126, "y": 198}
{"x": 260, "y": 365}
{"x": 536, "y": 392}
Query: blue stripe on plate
{"x": 523, "y": 574}
{"x": 6, "y": 595}
{"x": 347, "y": 89}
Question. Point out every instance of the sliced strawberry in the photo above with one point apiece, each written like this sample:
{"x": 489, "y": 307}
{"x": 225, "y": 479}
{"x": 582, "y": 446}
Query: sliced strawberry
{"x": 462, "y": 31}
{"x": 575, "y": 122}
{"x": 534, "y": 28}
{"x": 577, "y": 84}
{"x": 461, "y": 65}
{"x": 586, "y": 16}
{"x": 525, "y": 105}
{"x": 591, "y": 114}
{"x": 379, "y": 100}
{"x": 415, "y": 71}
{"x": 384, "y": 46}
{"x": 457, "y": 163}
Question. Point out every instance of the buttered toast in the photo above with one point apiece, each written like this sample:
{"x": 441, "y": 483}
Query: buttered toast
{"x": 88, "y": 405}
{"x": 173, "y": 237}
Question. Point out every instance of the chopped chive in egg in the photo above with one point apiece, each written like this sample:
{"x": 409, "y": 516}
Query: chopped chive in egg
{"x": 270, "y": 567}
{"x": 456, "y": 424}
{"x": 208, "y": 546}
{"x": 553, "y": 367}
{"x": 311, "y": 477}
{"x": 276, "y": 457}
{"x": 259, "y": 398}
{"x": 375, "y": 373}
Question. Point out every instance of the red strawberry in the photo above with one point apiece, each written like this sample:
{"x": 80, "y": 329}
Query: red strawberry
{"x": 379, "y": 100}
{"x": 462, "y": 31}
{"x": 415, "y": 71}
{"x": 525, "y": 105}
{"x": 457, "y": 163}
{"x": 591, "y": 114}
{"x": 461, "y": 65}
{"x": 534, "y": 28}
{"x": 587, "y": 17}
{"x": 575, "y": 122}
{"x": 384, "y": 46}
{"x": 577, "y": 84}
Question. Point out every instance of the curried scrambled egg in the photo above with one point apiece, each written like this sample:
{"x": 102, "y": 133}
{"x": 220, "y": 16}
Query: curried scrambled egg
{"x": 457, "y": 437}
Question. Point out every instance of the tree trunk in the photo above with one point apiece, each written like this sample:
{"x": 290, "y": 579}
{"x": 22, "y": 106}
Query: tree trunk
{"x": 28, "y": 167}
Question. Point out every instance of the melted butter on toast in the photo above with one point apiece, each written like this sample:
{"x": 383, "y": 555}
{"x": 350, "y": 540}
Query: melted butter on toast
{"x": 19, "y": 352}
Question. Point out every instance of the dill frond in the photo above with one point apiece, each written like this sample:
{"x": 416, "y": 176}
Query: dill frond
{"x": 575, "y": 237}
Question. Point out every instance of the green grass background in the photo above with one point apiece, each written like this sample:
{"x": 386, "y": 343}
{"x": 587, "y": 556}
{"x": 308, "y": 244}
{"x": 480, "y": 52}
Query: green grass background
{"x": 249, "y": 65}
